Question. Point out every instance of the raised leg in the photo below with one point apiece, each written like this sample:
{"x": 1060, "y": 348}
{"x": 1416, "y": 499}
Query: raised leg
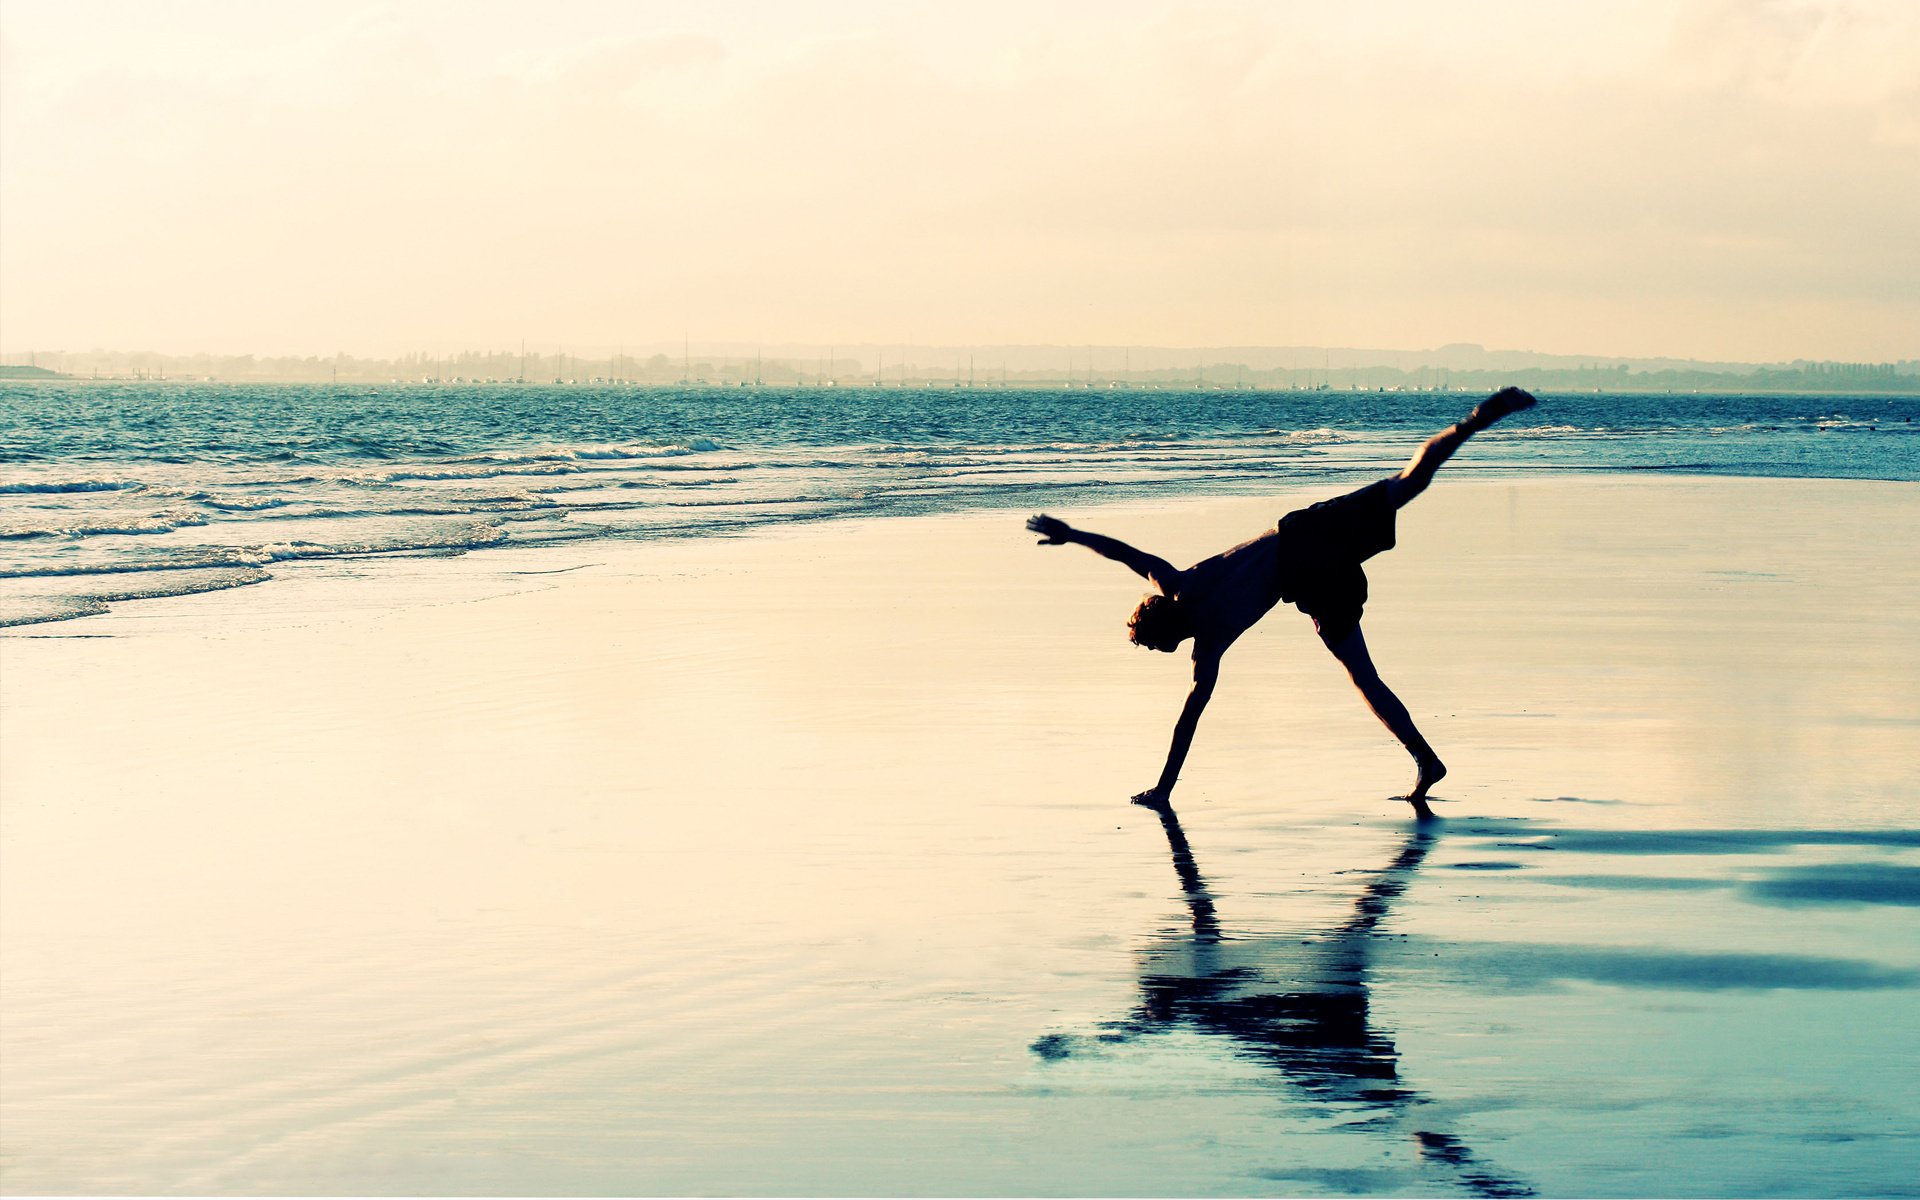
{"x": 1418, "y": 473}
{"x": 1428, "y": 769}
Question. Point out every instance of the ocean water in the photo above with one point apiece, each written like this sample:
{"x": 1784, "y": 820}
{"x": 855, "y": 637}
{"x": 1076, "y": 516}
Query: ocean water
{"x": 116, "y": 492}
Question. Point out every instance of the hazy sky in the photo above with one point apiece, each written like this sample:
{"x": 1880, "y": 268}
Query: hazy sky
{"x": 1714, "y": 179}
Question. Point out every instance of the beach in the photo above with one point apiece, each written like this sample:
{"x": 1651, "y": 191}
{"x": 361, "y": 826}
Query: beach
{"x": 800, "y": 863}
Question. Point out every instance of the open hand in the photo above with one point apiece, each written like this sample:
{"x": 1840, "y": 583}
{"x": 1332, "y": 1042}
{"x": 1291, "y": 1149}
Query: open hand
{"x": 1052, "y": 530}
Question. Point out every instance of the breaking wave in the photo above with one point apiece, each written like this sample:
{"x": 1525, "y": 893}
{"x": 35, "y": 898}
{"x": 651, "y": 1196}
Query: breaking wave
{"x": 126, "y": 492}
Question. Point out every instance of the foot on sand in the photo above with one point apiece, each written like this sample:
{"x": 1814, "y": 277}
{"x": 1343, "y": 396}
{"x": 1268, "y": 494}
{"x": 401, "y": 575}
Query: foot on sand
{"x": 1431, "y": 771}
{"x": 1503, "y": 403}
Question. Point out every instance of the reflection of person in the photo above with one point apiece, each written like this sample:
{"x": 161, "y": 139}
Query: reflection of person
{"x": 1311, "y": 560}
{"x": 1299, "y": 1004}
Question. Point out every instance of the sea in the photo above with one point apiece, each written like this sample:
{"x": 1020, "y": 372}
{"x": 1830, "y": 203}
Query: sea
{"x": 119, "y": 491}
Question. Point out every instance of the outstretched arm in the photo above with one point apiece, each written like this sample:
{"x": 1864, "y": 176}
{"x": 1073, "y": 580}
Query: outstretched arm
{"x": 1055, "y": 532}
{"x": 1206, "y": 672}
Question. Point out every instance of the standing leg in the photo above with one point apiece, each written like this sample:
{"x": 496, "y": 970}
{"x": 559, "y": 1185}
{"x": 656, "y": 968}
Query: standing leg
{"x": 1352, "y": 653}
{"x": 1418, "y": 473}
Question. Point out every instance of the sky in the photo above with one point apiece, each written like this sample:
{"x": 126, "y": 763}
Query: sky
{"x": 1720, "y": 179}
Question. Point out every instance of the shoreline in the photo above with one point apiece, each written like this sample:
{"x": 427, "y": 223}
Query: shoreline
{"x": 112, "y": 498}
{"x": 803, "y": 864}
{"x": 414, "y": 578}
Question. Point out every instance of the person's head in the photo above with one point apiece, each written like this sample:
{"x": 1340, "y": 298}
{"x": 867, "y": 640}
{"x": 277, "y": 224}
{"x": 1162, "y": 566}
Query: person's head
{"x": 1159, "y": 623}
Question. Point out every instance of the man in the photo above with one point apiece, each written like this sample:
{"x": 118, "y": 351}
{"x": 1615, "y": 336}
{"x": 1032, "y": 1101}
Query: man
{"x": 1310, "y": 560}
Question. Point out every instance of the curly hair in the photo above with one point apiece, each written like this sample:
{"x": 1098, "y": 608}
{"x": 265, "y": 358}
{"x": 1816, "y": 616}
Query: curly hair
{"x": 1158, "y": 623}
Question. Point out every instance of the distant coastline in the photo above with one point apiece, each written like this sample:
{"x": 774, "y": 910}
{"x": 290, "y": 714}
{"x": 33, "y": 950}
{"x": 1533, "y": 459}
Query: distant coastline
{"x": 1452, "y": 368}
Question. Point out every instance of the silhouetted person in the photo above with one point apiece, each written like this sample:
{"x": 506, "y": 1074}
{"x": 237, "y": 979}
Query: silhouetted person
{"x": 1311, "y": 560}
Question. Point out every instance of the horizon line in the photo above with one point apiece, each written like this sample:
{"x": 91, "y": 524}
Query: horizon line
{"x": 736, "y": 348}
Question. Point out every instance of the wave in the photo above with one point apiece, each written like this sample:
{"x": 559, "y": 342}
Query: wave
{"x": 451, "y": 506}
{"x": 28, "y": 608}
{"x": 522, "y": 467}
{"x": 1316, "y": 436}
{"x": 1840, "y": 424}
{"x": 467, "y": 537}
{"x": 78, "y": 525}
{"x": 694, "y": 446}
{"x": 69, "y": 485}
{"x": 486, "y": 479}
{"x": 463, "y": 537}
{"x": 562, "y": 454}
{"x": 236, "y": 504}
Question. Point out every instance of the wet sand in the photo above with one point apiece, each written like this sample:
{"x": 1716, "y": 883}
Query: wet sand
{"x": 802, "y": 864}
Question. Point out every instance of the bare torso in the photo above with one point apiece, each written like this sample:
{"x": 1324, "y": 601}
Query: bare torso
{"x": 1226, "y": 594}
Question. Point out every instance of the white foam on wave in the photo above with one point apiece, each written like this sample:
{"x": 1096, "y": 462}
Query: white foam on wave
{"x": 465, "y": 536}
{"x": 521, "y": 467}
{"x": 565, "y": 454}
{"x": 455, "y": 537}
{"x": 240, "y": 504}
{"x": 32, "y": 602}
{"x": 68, "y": 485}
{"x": 671, "y": 450}
{"x": 411, "y": 503}
{"x": 79, "y": 525}
{"x": 1842, "y": 424}
{"x": 1316, "y": 436}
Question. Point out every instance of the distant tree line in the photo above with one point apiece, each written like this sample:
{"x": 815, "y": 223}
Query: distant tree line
{"x": 738, "y": 370}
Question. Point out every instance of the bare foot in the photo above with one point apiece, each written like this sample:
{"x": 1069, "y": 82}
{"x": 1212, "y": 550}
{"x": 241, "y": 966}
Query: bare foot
{"x": 1153, "y": 797}
{"x": 1503, "y": 403}
{"x": 1431, "y": 771}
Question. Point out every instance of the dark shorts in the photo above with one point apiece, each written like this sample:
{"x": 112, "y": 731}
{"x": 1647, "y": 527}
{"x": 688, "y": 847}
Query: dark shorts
{"x": 1321, "y": 549}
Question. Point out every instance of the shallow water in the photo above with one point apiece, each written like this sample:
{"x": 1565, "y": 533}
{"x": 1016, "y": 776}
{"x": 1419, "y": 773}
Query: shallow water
{"x": 116, "y": 492}
{"x": 796, "y": 866}
{"x": 1333, "y": 1009}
